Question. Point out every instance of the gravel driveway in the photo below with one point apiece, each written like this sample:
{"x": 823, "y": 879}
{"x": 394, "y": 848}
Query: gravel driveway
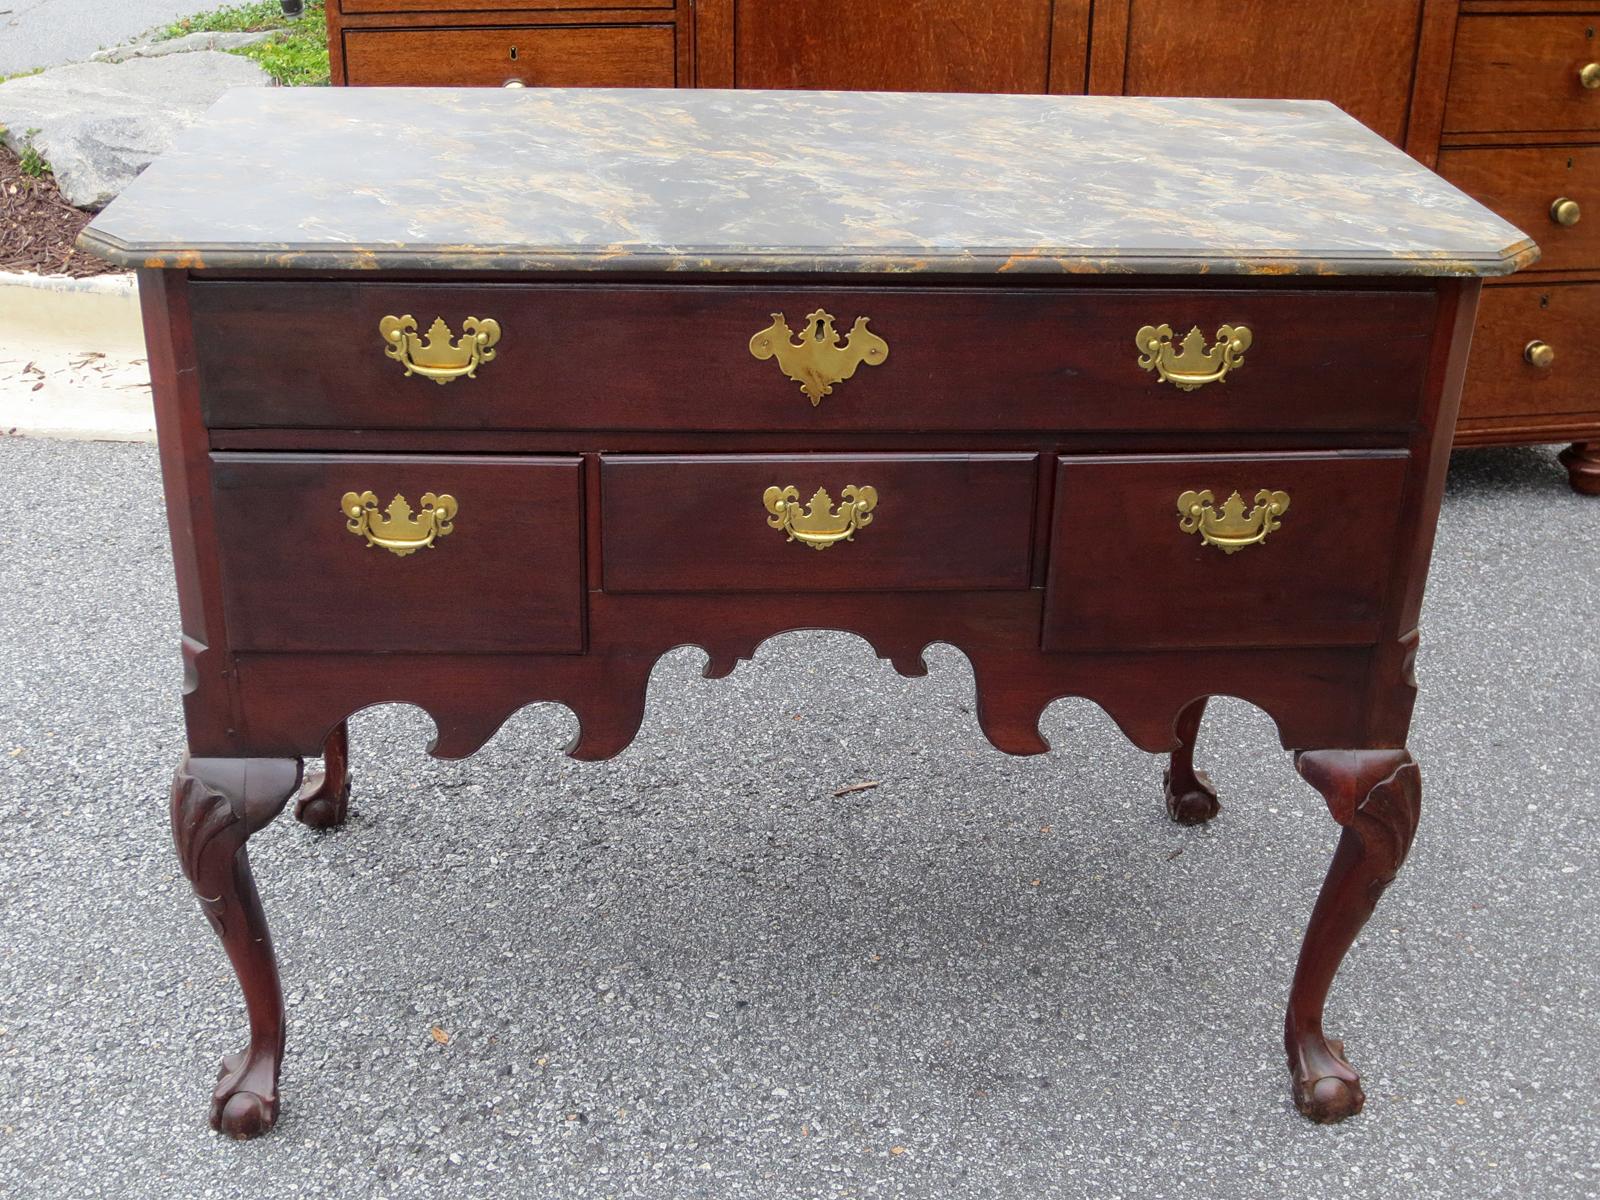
{"x": 697, "y": 971}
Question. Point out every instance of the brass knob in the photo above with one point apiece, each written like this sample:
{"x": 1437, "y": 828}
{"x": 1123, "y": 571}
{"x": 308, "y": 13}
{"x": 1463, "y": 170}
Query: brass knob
{"x": 1589, "y": 75}
{"x": 1565, "y": 211}
{"x": 514, "y": 83}
{"x": 1540, "y": 354}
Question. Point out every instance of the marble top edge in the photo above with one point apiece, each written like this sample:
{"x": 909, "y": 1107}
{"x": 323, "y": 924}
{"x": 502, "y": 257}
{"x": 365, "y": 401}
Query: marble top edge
{"x": 840, "y": 182}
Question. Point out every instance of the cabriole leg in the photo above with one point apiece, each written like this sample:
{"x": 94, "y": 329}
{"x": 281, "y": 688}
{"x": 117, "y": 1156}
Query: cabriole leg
{"x": 324, "y": 801}
{"x": 1376, "y": 795}
{"x": 1191, "y": 800}
{"x": 217, "y": 803}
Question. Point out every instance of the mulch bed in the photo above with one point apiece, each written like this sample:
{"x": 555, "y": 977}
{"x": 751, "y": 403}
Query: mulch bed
{"x": 38, "y": 227}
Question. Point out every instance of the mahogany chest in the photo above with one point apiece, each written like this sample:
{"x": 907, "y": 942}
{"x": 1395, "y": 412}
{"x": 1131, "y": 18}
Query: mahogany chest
{"x": 469, "y": 399}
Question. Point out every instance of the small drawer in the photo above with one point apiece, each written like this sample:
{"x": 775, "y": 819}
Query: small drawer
{"x": 1553, "y": 191}
{"x": 508, "y": 6}
{"x": 682, "y": 359}
{"x": 1126, "y": 572}
{"x": 532, "y": 55}
{"x": 1514, "y": 322}
{"x": 888, "y": 522}
{"x": 1524, "y": 73}
{"x": 503, "y": 572}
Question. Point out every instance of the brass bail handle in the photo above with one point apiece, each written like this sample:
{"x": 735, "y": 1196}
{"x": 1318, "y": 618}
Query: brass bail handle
{"x": 1230, "y": 528}
{"x": 397, "y": 529}
{"x": 819, "y": 523}
{"x": 440, "y": 356}
{"x": 1192, "y": 363}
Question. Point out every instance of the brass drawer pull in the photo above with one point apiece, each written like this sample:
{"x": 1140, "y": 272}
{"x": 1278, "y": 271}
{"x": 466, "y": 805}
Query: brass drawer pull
{"x": 1589, "y": 75}
{"x": 1540, "y": 354}
{"x": 440, "y": 357}
{"x": 1192, "y": 364}
{"x": 817, "y": 361}
{"x": 819, "y": 525}
{"x": 1565, "y": 211}
{"x": 1231, "y": 529}
{"x": 397, "y": 530}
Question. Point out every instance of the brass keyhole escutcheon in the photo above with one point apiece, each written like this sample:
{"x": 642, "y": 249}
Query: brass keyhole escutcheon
{"x": 819, "y": 359}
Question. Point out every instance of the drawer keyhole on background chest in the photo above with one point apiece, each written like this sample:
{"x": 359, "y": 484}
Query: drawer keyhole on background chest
{"x": 513, "y": 54}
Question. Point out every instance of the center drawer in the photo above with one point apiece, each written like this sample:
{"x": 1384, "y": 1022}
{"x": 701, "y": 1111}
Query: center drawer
{"x": 798, "y": 523}
{"x": 716, "y": 358}
{"x": 400, "y": 553}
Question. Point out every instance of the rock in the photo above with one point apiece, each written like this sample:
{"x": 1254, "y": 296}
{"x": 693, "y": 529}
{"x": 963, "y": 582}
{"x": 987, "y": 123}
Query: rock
{"x": 99, "y": 124}
{"x": 187, "y": 44}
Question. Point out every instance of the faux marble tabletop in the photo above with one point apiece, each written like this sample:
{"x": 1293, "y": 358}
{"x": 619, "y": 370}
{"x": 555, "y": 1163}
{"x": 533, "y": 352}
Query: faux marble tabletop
{"x": 637, "y": 180}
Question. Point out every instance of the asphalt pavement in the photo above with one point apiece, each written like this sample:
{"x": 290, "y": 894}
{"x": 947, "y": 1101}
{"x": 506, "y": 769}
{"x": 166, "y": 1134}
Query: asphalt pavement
{"x": 46, "y": 33}
{"x": 696, "y": 970}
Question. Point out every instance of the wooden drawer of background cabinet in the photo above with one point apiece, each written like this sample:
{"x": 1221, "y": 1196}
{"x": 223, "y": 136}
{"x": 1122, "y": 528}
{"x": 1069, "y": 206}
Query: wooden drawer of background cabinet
{"x": 710, "y": 358}
{"x": 534, "y": 55}
{"x": 1534, "y": 352}
{"x": 400, "y": 553}
{"x": 1554, "y": 191}
{"x": 437, "y": 6}
{"x": 798, "y": 523}
{"x": 1229, "y": 550}
{"x": 1525, "y": 72}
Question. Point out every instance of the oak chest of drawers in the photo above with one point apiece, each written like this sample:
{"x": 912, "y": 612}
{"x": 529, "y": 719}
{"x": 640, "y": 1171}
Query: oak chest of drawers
{"x": 497, "y": 396}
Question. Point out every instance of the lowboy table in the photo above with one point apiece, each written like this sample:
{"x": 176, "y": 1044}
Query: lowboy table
{"x": 469, "y": 399}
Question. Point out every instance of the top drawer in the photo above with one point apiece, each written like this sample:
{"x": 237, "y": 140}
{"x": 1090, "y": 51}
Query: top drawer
{"x": 435, "y": 6}
{"x": 1516, "y": 73}
{"x": 598, "y": 356}
{"x": 532, "y": 55}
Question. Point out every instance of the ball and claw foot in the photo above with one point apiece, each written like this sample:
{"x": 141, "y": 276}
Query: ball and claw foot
{"x": 245, "y": 1103}
{"x": 1193, "y": 801}
{"x": 324, "y": 801}
{"x": 1326, "y": 1087}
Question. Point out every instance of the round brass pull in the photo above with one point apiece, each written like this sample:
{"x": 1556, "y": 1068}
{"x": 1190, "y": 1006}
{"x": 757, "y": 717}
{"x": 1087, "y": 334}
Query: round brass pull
{"x": 514, "y": 83}
{"x": 1589, "y": 75}
{"x": 1565, "y": 211}
{"x": 1540, "y": 354}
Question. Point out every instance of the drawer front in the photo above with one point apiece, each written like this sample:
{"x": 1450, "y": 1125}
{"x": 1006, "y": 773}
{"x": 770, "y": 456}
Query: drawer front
{"x": 1502, "y": 382}
{"x": 618, "y": 357}
{"x": 438, "y": 6}
{"x": 1523, "y": 73}
{"x": 889, "y": 522}
{"x": 502, "y": 573}
{"x": 1125, "y": 572}
{"x": 1552, "y": 190}
{"x": 538, "y": 56}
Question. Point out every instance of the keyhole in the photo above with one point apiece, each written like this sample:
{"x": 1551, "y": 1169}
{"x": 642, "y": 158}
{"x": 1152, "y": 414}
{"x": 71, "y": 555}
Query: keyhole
{"x": 513, "y": 54}
{"x": 1544, "y": 300}
{"x": 816, "y": 330}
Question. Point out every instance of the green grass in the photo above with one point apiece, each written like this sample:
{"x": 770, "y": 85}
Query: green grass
{"x": 21, "y": 74}
{"x": 297, "y": 57}
{"x": 30, "y": 160}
